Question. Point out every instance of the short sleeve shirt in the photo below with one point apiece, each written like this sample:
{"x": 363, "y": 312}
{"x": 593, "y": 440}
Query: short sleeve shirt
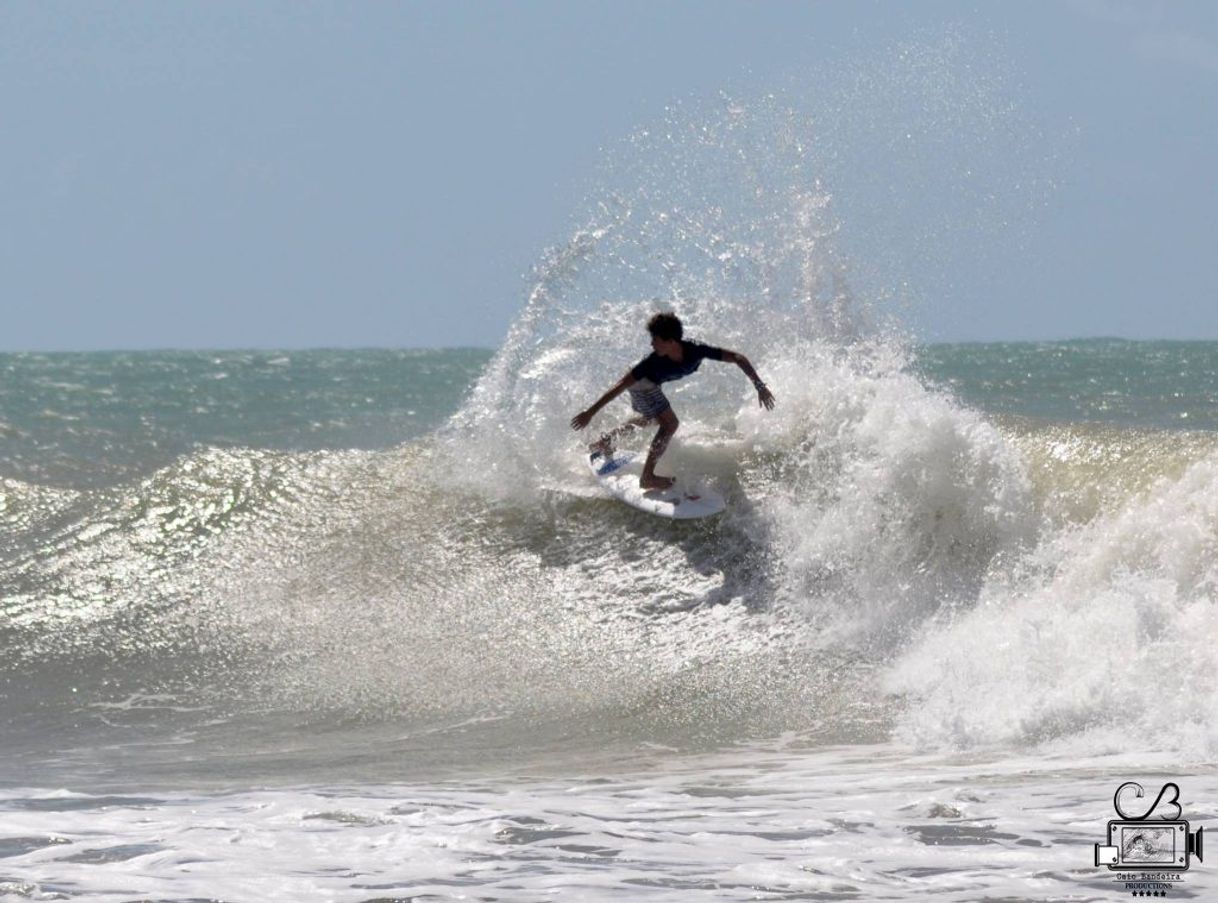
{"x": 658, "y": 369}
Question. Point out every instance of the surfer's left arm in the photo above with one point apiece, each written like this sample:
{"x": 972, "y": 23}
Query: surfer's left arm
{"x": 583, "y": 418}
{"x": 765, "y": 397}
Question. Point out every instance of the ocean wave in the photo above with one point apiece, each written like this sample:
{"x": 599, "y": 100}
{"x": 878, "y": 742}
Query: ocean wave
{"x": 1103, "y": 636}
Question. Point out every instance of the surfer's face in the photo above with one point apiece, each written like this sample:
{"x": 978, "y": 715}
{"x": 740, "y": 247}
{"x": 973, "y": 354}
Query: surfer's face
{"x": 669, "y": 348}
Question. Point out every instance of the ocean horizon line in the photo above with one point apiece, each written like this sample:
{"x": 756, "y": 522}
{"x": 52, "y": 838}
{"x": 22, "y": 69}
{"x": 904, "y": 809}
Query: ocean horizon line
{"x": 282, "y": 349}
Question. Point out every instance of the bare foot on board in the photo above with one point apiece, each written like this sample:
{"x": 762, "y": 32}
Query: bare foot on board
{"x": 654, "y": 482}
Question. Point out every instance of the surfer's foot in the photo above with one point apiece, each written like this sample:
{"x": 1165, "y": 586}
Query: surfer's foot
{"x": 654, "y": 482}
{"x": 601, "y": 447}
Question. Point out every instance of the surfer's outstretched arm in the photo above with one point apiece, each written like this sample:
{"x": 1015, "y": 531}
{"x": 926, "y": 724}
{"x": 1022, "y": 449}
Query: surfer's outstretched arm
{"x": 765, "y": 397}
{"x": 583, "y": 418}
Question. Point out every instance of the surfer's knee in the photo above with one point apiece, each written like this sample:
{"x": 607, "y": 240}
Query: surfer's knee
{"x": 668, "y": 421}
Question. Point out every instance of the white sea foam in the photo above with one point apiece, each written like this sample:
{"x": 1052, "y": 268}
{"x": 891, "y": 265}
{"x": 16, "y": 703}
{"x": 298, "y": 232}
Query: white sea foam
{"x": 1107, "y": 637}
{"x": 756, "y": 822}
{"x": 889, "y": 501}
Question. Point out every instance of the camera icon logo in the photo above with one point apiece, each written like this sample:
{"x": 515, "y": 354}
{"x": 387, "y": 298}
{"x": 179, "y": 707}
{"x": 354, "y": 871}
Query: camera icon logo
{"x": 1145, "y": 843}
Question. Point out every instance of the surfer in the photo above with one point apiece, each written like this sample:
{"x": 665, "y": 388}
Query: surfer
{"x": 672, "y": 358}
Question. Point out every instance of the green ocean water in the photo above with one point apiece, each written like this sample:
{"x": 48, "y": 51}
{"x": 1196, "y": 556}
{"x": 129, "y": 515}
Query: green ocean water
{"x": 92, "y": 419}
{"x": 1158, "y": 385}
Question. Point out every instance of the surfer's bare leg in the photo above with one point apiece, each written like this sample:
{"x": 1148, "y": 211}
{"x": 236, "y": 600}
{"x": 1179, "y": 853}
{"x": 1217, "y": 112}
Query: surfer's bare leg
{"x": 605, "y": 443}
{"x": 668, "y": 426}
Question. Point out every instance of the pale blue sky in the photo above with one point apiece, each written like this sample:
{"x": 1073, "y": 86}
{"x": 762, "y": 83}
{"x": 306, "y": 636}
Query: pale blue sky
{"x": 312, "y": 174}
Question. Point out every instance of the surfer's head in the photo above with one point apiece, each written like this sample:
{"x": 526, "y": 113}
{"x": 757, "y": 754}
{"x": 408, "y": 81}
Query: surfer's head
{"x": 665, "y": 326}
{"x": 666, "y": 332}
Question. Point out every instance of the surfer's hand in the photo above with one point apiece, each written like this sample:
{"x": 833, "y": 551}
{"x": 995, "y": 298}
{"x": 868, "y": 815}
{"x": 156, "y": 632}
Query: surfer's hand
{"x": 765, "y": 397}
{"x": 581, "y": 420}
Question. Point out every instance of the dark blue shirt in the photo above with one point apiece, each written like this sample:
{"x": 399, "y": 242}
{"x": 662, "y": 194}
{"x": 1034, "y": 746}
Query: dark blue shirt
{"x": 660, "y": 369}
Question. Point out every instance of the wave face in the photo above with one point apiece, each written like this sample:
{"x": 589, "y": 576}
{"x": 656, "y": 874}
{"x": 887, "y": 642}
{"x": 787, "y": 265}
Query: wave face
{"x": 894, "y": 561}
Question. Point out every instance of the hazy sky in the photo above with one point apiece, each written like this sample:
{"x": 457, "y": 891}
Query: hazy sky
{"x": 313, "y": 174}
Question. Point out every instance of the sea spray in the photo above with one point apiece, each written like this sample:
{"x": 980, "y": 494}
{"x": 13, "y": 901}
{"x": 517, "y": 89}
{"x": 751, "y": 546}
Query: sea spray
{"x": 889, "y": 502}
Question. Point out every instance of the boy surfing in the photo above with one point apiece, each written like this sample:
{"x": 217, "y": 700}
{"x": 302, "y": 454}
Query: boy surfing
{"x": 672, "y": 358}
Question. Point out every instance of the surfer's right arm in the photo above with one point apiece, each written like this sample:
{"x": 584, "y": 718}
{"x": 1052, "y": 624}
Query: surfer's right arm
{"x": 583, "y": 418}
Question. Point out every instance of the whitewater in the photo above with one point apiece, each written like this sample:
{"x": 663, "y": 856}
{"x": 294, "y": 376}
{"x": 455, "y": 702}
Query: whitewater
{"x": 357, "y": 625}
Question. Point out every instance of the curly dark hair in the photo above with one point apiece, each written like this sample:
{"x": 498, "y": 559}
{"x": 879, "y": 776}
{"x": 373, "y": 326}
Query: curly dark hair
{"x": 665, "y": 326}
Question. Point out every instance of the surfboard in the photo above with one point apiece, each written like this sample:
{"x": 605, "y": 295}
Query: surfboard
{"x": 619, "y": 475}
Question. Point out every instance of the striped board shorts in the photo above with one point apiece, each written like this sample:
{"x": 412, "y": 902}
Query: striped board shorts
{"x": 648, "y": 400}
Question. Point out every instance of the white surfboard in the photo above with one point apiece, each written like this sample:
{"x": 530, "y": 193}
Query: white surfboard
{"x": 619, "y": 474}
